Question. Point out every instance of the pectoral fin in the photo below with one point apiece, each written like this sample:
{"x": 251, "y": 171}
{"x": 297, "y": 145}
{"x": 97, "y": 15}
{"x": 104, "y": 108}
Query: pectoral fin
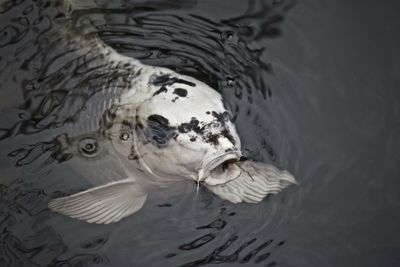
{"x": 256, "y": 181}
{"x": 103, "y": 204}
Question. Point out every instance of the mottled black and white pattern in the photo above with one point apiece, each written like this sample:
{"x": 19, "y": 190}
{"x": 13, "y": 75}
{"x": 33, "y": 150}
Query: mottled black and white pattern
{"x": 163, "y": 128}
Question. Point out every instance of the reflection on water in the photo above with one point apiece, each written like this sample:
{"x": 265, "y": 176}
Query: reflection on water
{"x": 297, "y": 100}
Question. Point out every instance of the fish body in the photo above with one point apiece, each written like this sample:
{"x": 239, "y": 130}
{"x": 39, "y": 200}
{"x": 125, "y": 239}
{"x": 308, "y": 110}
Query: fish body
{"x": 166, "y": 128}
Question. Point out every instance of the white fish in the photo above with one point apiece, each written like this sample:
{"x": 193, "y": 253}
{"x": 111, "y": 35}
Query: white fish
{"x": 165, "y": 129}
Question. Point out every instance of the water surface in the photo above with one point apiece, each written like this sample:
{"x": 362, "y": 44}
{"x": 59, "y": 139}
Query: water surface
{"x": 314, "y": 88}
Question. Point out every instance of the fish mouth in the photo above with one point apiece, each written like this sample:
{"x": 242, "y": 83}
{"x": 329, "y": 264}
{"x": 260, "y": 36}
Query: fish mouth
{"x": 220, "y": 161}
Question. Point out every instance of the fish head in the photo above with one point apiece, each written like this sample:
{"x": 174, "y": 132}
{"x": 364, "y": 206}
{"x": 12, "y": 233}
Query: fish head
{"x": 185, "y": 130}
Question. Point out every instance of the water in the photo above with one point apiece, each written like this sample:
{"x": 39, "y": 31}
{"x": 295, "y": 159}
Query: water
{"x": 314, "y": 89}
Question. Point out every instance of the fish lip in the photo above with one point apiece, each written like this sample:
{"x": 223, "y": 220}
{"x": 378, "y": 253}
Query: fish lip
{"x": 210, "y": 165}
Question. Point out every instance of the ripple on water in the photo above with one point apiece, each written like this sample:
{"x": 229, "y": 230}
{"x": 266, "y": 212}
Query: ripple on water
{"x": 64, "y": 90}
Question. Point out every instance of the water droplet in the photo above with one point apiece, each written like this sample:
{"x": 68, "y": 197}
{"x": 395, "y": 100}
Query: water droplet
{"x": 229, "y": 36}
{"x": 230, "y": 82}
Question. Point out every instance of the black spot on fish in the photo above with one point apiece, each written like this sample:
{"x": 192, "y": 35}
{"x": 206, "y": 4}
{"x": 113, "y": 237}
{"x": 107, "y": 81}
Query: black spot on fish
{"x": 160, "y": 120}
{"x": 228, "y": 136}
{"x": 193, "y": 139}
{"x": 193, "y": 125}
{"x": 208, "y": 112}
{"x": 173, "y": 100}
{"x": 158, "y": 130}
{"x": 212, "y": 138}
{"x": 166, "y": 80}
{"x": 221, "y": 117}
{"x": 184, "y": 128}
{"x": 163, "y": 89}
{"x": 180, "y": 92}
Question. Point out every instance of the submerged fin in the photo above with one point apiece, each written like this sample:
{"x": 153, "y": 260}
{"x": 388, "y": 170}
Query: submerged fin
{"x": 256, "y": 181}
{"x": 103, "y": 204}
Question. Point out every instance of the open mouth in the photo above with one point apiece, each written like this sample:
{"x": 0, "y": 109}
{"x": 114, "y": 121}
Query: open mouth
{"x": 220, "y": 169}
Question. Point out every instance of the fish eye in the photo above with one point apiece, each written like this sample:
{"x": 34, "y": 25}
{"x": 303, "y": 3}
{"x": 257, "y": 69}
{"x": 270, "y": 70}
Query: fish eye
{"x": 125, "y": 132}
{"x": 88, "y": 146}
{"x": 124, "y": 136}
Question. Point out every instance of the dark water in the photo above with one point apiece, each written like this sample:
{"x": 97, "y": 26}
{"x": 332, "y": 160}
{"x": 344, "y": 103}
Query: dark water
{"x": 314, "y": 86}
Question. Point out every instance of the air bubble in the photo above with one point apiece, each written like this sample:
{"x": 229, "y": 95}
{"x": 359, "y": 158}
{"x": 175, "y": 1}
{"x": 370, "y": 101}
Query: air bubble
{"x": 229, "y": 36}
{"x": 230, "y": 82}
